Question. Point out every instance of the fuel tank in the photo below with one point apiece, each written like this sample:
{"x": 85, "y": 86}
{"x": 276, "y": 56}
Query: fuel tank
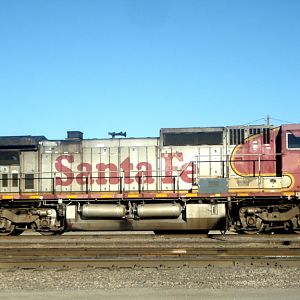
{"x": 164, "y": 210}
{"x": 103, "y": 211}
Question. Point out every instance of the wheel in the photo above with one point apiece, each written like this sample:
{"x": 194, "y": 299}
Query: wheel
{"x": 17, "y": 232}
{"x": 7, "y": 231}
{"x": 48, "y": 233}
{"x": 241, "y": 230}
{"x": 250, "y": 232}
{"x": 11, "y": 230}
{"x": 8, "y": 228}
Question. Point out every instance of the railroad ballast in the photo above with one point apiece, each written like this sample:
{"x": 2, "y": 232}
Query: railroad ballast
{"x": 246, "y": 177}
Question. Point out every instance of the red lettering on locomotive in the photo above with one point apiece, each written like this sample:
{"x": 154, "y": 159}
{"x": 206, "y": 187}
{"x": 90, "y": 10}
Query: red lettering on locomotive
{"x": 145, "y": 174}
{"x": 113, "y": 173}
{"x": 110, "y": 173}
{"x": 187, "y": 172}
{"x": 126, "y": 166}
{"x": 68, "y": 173}
{"x": 169, "y": 167}
{"x": 86, "y": 176}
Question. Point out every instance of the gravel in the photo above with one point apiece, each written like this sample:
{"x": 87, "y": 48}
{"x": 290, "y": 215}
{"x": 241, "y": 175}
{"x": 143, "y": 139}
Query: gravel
{"x": 188, "y": 278}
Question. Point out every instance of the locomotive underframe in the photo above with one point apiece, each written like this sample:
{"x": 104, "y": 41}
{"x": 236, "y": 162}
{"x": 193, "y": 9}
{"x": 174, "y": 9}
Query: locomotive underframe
{"x": 266, "y": 215}
{"x": 54, "y": 216}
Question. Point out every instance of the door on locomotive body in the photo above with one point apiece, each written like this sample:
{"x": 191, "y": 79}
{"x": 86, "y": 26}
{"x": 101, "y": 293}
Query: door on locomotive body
{"x": 9, "y": 171}
{"x": 98, "y": 170}
{"x": 65, "y": 157}
{"x": 47, "y": 177}
{"x": 133, "y": 184}
{"x": 30, "y": 175}
{"x": 176, "y": 167}
{"x": 138, "y": 164}
{"x": 47, "y": 151}
{"x": 184, "y": 165}
{"x": 85, "y": 176}
{"x": 95, "y": 158}
{"x": 144, "y": 166}
{"x": 166, "y": 169}
{"x": 9, "y": 181}
{"x": 102, "y": 160}
{"x": 291, "y": 155}
{"x": 210, "y": 162}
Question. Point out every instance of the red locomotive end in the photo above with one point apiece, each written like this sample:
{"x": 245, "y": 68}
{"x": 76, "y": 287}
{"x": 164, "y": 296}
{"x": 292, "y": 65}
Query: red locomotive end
{"x": 290, "y": 150}
{"x": 271, "y": 153}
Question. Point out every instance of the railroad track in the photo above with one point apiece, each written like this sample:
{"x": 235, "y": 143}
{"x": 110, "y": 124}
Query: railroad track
{"x": 105, "y": 251}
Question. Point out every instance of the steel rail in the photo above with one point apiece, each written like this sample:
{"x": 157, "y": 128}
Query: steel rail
{"x": 146, "y": 251}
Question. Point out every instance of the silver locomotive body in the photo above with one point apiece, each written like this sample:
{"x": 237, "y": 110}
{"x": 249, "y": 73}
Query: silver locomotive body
{"x": 187, "y": 179}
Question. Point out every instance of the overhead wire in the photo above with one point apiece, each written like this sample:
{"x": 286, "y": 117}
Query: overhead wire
{"x": 270, "y": 118}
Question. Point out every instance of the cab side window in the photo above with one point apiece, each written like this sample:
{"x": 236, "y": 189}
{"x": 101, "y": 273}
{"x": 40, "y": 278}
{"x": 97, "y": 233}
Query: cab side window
{"x": 293, "y": 142}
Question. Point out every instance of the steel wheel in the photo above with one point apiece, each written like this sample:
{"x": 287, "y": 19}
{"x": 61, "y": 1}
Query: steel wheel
{"x": 59, "y": 232}
{"x": 8, "y": 228}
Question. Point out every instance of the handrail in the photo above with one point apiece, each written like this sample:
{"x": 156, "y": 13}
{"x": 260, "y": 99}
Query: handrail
{"x": 141, "y": 182}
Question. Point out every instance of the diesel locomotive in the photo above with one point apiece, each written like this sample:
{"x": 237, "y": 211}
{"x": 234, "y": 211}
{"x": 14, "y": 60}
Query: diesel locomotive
{"x": 187, "y": 179}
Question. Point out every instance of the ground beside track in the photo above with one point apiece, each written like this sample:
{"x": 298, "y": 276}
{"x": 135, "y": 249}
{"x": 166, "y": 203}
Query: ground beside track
{"x": 184, "y": 283}
{"x": 161, "y": 293}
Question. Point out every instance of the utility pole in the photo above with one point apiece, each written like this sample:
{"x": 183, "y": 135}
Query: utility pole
{"x": 268, "y": 119}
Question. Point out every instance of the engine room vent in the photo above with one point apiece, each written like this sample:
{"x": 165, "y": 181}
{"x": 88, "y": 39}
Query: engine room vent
{"x": 237, "y": 136}
{"x": 75, "y": 135}
{"x": 191, "y": 136}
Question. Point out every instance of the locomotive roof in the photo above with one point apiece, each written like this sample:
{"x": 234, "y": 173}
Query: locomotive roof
{"x": 20, "y": 142}
{"x": 192, "y": 129}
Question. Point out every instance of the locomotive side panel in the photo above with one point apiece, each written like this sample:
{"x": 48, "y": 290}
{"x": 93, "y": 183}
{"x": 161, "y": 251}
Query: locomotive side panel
{"x": 9, "y": 171}
{"x": 107, "y": 166}
{"x": 29, "y": 172}
{"x": 46, "y": 172}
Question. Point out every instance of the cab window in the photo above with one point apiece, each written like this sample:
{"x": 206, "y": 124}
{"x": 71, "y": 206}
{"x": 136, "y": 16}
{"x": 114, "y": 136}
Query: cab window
{"x": 293, "y": 141}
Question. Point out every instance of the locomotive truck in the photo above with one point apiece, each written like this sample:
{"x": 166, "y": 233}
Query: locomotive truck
{"x": 187, "y": 179}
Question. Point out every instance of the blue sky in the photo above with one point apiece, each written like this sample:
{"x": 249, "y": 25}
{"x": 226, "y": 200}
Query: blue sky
{"x": 138, "y": 65}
